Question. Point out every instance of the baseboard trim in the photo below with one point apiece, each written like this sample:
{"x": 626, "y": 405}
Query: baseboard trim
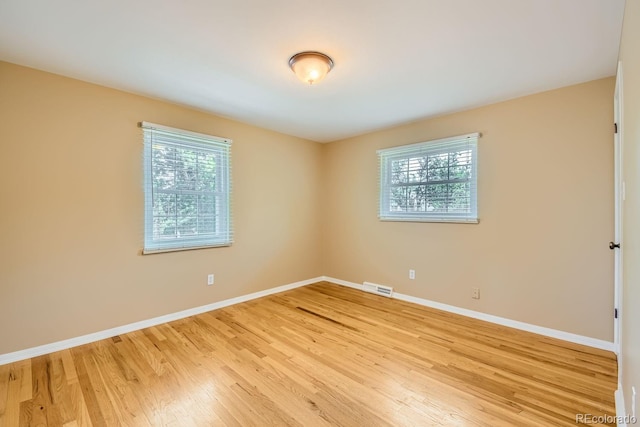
{"x": 97, "y": 336}
{"x": 342, "y": 282}
{"x": 540, "y": 330}
{"x": 621, "y": 413}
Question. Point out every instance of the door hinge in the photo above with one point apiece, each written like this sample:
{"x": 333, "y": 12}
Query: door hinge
{"x": 615, "y": 128}
{"x": 615, "y": 313}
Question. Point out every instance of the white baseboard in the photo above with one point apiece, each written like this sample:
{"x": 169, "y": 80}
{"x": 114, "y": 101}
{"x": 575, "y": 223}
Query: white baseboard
{"x": 620, "y": 408}
{"x": 342, "y": 282}
{"x": 540, "y": 330}
{"x": 96, "y": 336}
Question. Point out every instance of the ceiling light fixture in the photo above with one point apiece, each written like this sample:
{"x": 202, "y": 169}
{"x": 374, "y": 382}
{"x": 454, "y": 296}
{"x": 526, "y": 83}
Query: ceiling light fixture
{"x": 310, "y": 67}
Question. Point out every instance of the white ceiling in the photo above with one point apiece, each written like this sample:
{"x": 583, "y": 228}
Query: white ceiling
{"x": 395, "y": 61}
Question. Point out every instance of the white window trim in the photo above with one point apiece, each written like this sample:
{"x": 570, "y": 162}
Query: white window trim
{"x": 153, "y": 246}
{"x": 386, "y": 156}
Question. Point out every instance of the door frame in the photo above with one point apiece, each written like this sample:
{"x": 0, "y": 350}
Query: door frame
{"x": 619, "y": 189}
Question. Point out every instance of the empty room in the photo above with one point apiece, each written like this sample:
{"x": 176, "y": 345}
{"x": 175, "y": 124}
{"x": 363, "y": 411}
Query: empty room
{"x": 245, "y": 213}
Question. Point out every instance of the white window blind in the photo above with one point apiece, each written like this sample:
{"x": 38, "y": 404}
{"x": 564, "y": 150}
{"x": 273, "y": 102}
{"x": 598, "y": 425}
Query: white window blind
{"x": 187, "y": 184}
{"x": 430, "y": 181}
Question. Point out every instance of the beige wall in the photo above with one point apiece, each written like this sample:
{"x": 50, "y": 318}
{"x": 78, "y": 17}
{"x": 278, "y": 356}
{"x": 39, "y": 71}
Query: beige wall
{"x": 71, "y": 212}
{"x": 72, "y": 207}
{"x": 539, "y": 254}
{"x": 630, "y": 57}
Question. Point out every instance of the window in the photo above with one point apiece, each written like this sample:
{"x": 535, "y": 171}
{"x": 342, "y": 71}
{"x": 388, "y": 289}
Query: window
{"x": 431, "y": 181}
{"x": 187, "y": 185}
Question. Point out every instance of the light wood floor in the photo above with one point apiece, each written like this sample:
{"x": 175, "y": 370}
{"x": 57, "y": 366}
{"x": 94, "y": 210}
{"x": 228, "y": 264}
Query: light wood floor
{"x": 314, "y": 356}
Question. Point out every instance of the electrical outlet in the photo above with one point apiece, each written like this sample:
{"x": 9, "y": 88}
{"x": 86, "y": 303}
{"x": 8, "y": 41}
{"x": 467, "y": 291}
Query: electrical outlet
{"x": 412, "y": 274}
{"x": 475, "y": 293}
{"x": 210, "y": 279}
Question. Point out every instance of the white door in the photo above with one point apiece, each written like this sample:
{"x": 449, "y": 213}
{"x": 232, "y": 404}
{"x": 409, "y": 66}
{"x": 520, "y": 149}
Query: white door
{"x": 616, "y": 244}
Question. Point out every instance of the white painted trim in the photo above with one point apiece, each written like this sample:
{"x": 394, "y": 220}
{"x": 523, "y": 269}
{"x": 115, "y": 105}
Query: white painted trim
{"x": 342, "y": 282}
{"x": 96, "y": 336}
{"x": 618, "y": 286}
{"x": 548, "y": 332}
{"x": 620, "y": 409}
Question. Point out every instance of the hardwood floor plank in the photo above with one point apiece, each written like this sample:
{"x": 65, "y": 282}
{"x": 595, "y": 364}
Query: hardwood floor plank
{"x": 320, "y": 355}
{"x": 43, "y": 408}
{"x": 92, "y": 392}
{"x": 60, "y": 390}
{"x": 11, "y": 379}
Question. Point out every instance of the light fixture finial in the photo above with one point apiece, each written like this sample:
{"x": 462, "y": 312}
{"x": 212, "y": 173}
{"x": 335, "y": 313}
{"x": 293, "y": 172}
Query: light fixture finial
{"x": 310, "y": 67}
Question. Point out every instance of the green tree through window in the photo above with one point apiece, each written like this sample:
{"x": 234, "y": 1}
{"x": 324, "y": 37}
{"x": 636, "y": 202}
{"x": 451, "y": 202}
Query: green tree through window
{"x": 187, "y": 189}
{"x": 431, "y": 181}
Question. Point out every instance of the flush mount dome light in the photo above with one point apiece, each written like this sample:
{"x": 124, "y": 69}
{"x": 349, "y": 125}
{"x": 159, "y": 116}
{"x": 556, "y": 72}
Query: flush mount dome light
{"x": 310, "y": 67}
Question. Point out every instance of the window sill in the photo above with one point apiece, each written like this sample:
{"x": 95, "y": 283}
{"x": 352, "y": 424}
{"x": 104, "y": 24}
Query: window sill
{"x": 192, "y": 248}
{"x": 443, "y": 220}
